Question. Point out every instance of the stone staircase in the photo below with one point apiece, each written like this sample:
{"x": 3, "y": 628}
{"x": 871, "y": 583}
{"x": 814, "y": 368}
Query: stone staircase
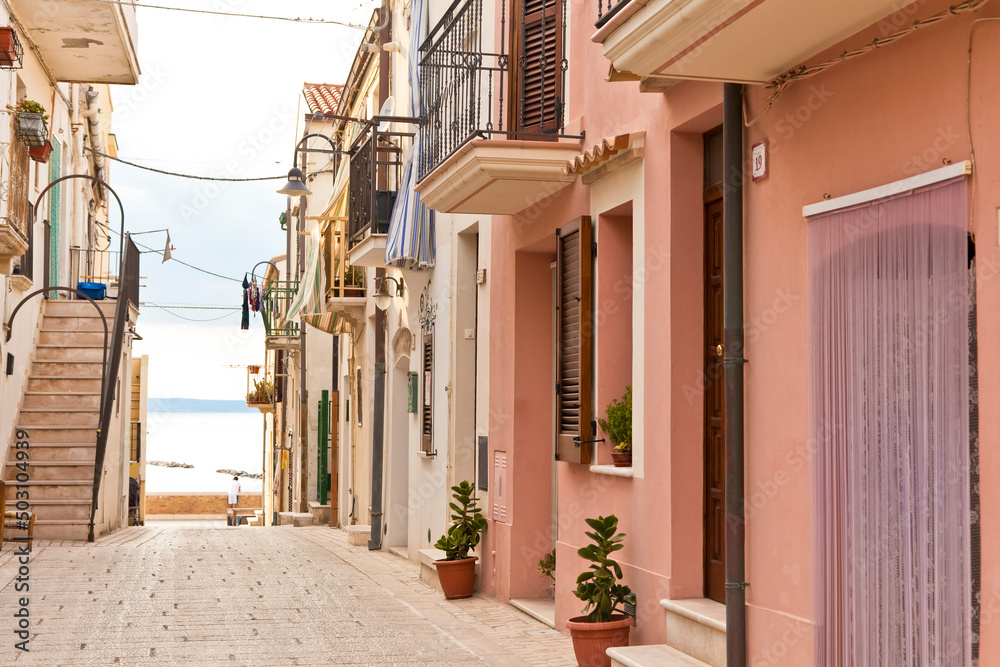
{"x": 696, "y": 637}
{"x": 60, "y": 412}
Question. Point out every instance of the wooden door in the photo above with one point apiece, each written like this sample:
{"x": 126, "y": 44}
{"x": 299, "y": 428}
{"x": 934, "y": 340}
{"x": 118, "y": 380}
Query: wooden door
{"x": 715, "y": 409}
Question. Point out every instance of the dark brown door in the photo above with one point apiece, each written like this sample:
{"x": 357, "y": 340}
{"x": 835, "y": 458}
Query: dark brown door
{"x": 715, "y": 408}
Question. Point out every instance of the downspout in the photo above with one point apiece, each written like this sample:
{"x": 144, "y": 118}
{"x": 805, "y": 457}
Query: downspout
{"x": 378, "y": 430}
{"x": 732, "y": 244}
{"x": 94, "y": 130}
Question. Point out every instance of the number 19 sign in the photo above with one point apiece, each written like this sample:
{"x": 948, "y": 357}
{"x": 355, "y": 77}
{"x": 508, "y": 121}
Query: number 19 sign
{"x": 758, "y": 158}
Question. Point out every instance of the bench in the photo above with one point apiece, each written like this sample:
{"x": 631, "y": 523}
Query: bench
{"x": 234, "y": 515}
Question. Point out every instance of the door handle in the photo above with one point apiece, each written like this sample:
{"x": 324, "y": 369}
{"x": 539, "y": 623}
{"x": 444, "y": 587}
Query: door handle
{"x": 718, "y": 350}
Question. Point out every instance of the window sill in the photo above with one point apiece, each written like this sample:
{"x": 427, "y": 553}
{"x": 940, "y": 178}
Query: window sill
{"x": 427, "y": 455}
{"x": 611, "y": 470}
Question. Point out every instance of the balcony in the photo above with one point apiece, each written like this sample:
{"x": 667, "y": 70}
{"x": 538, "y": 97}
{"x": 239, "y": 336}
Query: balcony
{"x": 82, "y": 41}
{"x": 278, "y": 333}
{"x": 750, "y": 41}
{"x": 345, "y": 283}
{"x": 376, "y": 166}
{"x": 492, "y": 140}
{"x": 14, "y": 222}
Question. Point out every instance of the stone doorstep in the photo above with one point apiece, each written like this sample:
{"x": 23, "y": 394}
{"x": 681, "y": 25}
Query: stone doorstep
{"x": 657, "y": 655}
{"x": 697, "y": 627}
{"x": 320, "y": 513}
{"x": 542, "y": 609}
{"x": 358, "y": 534}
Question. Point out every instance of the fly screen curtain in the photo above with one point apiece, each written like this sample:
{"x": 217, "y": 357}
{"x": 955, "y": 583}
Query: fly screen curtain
{"x": 889, "y": 381}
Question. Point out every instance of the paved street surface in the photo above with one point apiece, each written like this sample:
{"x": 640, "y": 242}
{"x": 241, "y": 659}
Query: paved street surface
{"x": 198, "y": 593}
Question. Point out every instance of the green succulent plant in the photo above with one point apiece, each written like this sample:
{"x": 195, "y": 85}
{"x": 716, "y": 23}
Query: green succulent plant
{"x": 599, "y": 586}
{"x": 618, "y": 425}
{"x": 547, "y": 565}
{"x": 468, "y": 524}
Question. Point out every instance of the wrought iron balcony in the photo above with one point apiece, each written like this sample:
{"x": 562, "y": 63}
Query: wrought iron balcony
{"x": 376, "y": 164}
{"x": 614, "y": 6}
{"x": 495, "y": 117}
{"x": 278, "y": 332}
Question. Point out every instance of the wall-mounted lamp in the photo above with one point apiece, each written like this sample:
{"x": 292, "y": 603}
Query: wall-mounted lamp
{"x": 295, "y": 187}
{"x": 383, "y": 297}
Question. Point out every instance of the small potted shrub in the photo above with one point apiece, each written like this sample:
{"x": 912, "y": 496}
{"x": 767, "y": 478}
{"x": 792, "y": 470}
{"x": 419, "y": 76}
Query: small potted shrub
{"x": 600, "y": 628}
{"x": 547, "y": 566}
{"x": 31, "y": 126}
{"x": 354, "y": 281}
{"x": 261, "y": 395}
{"x": 618, "y": 428}
{"x": 457, "y": 570}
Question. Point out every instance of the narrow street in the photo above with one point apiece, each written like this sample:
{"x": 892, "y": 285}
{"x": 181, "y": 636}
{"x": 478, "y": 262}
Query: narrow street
{"x": 197, "y": 593}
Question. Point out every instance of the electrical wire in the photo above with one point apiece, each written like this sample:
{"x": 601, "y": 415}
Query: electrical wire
{"x": 196, "y": 268}
{"x": 187, "y": 306}
{"x": 344, "y": 24}
{"x": 169, "y": 311}
{"x": 173, "y": 173}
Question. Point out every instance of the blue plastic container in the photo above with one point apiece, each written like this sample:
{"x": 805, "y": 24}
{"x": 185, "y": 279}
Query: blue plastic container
{"x": 93, "y": 290}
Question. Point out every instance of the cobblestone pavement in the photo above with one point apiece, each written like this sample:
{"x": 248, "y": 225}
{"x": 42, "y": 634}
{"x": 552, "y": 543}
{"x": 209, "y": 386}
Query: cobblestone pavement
{"x": 186, "y": 593}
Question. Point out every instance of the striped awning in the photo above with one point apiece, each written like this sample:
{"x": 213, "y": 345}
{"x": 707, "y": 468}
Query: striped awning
{"x": 410, "y": 243}
{"x": 307, "y": 303}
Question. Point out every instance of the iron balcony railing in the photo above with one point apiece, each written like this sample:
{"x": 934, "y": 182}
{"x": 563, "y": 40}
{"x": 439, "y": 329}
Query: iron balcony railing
{"x": 94, "y": 266}
{"x": 376, "y": 165}
{"x": 614, "y": 6}
{"x": 463, "y": 85}
{"x": 278, "y": 295}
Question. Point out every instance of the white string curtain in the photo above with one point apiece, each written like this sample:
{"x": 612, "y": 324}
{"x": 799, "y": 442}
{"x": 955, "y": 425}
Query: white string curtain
{"x": 889, "y": 309}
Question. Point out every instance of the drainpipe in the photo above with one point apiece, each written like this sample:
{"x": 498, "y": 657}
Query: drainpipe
{"x": 94, "y": 130}
{"x": 378, "y": 428}
{"x": 732, "y": 243}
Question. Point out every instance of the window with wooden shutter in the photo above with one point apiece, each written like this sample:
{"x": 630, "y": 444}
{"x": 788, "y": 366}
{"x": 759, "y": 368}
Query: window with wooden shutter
{"x": 427, "y": 406}
{"x": 574, "y": 369}
{"x": 536, "y": 104}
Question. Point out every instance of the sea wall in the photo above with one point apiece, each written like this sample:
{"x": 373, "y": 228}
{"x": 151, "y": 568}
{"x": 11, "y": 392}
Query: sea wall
{"x": 182, "y": 502}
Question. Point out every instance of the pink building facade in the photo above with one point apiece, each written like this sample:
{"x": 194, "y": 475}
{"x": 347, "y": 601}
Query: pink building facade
{"x": 893, "y": 140}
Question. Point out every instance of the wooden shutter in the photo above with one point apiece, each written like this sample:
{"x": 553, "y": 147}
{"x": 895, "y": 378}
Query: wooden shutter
{"x": 427, "y": 390}
{"x": 574, "y": 268}
{"x": 536, "y": 81}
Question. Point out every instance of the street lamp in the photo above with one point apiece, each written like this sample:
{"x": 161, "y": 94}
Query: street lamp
{"x": 383, "y": 297}
{"x": 295, "y": 187}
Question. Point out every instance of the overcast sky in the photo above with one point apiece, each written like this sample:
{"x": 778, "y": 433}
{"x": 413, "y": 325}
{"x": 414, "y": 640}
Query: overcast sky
{"x": 218, "y": 96}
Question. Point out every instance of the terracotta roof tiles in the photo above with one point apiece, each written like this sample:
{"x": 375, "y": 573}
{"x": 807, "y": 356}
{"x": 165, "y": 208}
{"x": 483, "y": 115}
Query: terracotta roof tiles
{"x": 322, "y": 97}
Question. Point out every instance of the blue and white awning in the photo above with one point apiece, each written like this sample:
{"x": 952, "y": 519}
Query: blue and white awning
{"x": 410, "y": 243}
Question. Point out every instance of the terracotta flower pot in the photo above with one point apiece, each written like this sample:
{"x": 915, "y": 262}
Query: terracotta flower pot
{"x": 40, "y": 153}
{"x": 458, "y": 577}
{"x": 621, "y": 459}
{"x": 592, "y": 640}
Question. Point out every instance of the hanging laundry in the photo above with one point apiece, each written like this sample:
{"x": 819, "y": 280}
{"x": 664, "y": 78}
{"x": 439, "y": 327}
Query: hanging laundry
{"x": 245, "y": 323}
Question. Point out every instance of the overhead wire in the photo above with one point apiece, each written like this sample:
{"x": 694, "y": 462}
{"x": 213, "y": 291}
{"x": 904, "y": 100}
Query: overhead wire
{"x": 174, "y": 173}
{"x": 345, "y": 24}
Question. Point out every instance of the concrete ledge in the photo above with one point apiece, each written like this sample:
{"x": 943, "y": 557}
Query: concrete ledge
{"x": 429, "y": 573}
{"x": 320, "y": 513}
{"x": 543, "y": 609}
{"x": 614, "y": 471}
{"x": 285, "y": 518}
{"x": 658, "y": 655}
{"x": 302, "y": 519}
{"x": 358, "y": 534}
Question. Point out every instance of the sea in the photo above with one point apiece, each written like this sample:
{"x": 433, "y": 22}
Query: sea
{"x": 210, "y": 435}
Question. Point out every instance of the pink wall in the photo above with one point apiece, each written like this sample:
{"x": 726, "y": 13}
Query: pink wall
{"x": 883, "y": 117}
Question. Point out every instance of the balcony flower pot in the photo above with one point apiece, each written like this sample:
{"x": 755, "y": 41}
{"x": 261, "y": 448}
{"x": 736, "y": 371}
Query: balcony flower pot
{"x": 30, "y": 126}
{"x": 40, "y": 153}
{"x": 11, "y": 51}
{"x": 600, "y": 628}
{"x": 457, "y": 571}
{"x": 618, "y": 428}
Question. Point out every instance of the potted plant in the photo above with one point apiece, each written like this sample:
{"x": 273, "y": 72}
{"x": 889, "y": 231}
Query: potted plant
{"x": 600, "y": 628}
{"x": 618, "y": 428}
{"x": 31, "y": 126}
{"x": 547, "y": 566}
{"x": 40, "y": 153}
{"x": 11, "y": 51}
{"x": 354, "y": 281}
{"x": 261, "y": 395}
{"x": 457, "y": 570}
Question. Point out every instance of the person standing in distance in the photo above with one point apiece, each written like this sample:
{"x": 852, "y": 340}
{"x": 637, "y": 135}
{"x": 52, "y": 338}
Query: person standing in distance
{"x": 234, "y": 498}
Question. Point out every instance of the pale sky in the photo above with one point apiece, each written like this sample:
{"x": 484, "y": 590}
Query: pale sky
{"x": 219, "y": 96}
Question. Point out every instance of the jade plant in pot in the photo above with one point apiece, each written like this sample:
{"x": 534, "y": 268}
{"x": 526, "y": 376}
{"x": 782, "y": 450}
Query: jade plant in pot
{"x": 604, "y": 624}
{"x": 457, "y": 570}
{"x": 618, "y": 428}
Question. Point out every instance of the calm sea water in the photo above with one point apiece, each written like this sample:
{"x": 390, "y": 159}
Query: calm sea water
{"x": 207, "y": 440}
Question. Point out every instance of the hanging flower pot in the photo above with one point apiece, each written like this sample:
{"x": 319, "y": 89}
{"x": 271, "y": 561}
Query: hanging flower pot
{"x": 11, "y": 51}
{"x": 40, "y": 153}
